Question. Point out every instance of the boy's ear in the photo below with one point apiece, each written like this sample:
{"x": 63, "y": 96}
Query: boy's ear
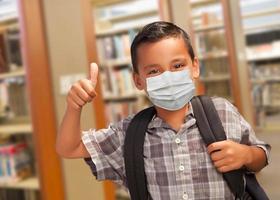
{"x": 195, "y": 68}
{"x": 138, "y": 81}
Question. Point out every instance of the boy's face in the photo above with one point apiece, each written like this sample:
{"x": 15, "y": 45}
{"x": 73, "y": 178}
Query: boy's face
{"x": 168, "y": 54}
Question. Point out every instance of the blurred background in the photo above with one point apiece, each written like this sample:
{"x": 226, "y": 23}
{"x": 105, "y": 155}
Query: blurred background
{"x": 46, "y": 46}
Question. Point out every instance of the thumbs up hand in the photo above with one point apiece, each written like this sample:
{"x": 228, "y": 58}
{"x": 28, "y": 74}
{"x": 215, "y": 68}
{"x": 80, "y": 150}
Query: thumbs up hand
{"x": 83, "y": 91}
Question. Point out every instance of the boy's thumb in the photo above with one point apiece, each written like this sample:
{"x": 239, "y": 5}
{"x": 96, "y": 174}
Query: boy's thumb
{"x": 93, "y": 73}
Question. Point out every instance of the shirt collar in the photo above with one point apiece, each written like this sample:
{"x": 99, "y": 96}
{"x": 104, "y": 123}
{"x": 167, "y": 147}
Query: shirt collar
{"x": 157, "y": 122}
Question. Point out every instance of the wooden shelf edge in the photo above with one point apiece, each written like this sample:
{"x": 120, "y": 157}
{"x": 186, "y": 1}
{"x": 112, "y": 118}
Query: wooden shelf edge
{"x": 260, "y": 58}
{"x": 210, "y": 55}
{"x": 131, "y": 15}
{"x": 201, "y": 2}
{"x": 12, "y": 74}
{"x": 209, "y": 27}
{"x": 117, "y": 30}
{"x": 116, "y": 62}
{"x": 15, "y": 129}
{"x": 255, "y": 29}
{"x": 261, "y": 13}
{"x": 221, "y": 77}
{"x": 31, "y": 183}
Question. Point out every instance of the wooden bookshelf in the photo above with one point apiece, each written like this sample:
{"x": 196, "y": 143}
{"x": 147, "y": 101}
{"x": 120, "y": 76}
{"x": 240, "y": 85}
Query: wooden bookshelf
{"x": 37, "y": 126}
{"x": 263, "y": 59}
{"x": 49, "y": 183}
{"x": 94, "y": 34}
{"x": 216, "y": 21}
{"x": 116, "y": 67}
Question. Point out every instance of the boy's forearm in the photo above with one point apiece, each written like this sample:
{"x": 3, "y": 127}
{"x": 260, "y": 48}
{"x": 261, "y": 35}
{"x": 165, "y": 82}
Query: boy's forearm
{"x": 256, "y": 159}
{"x": 69, "y": 142}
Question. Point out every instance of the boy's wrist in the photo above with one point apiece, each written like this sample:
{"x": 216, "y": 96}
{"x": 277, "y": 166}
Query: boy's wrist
{"x": 249, "y": 156}
{"x": 73, "y": 110}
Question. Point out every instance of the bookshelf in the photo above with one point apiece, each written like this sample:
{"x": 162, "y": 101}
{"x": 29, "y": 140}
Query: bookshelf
{"x": 117, "y": 95}
{"x": 208, "y": 30}
{"x": 262, "y": 32}
{"x": 116, "y": 25}
{"x": 27, "y": 131}
{"x": 15, "y": 120}
{"x": 214, "y": 28}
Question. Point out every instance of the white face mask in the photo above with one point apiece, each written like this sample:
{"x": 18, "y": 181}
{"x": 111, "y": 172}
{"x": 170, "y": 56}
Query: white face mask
{"x": 171, "y": 90}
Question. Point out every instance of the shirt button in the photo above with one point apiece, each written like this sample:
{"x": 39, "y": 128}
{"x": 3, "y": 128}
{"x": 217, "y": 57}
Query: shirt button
{"x": 181, "y": 168}
{"x": 185, "y": 196}
{"x": 177, "y": 140}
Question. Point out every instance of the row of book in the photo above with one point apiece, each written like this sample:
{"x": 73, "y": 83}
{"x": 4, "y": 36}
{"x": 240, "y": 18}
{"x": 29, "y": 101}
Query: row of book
{"x": 10, "y": 56}
{"x": 115, "y": 47}
{"x": 15, "y": 162}
{"x": 220, "y": 88}
{"x": 117, "y": 82}
{"x": 267, "y": 95}
{"x": 265, "y": 70}
{"x": 212, "y": 67}
{"x": 13, "y": 98}
{"x": 265, "y": 51}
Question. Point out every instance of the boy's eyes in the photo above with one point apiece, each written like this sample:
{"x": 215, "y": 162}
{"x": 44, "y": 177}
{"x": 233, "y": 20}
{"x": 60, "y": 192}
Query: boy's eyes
{"x": 179, "y": 65}
{"x": 156, "y": 71}
{"x": 153, "y": 71}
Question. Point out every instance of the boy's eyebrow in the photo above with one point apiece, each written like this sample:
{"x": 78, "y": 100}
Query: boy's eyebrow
{"x": 150, "y": 65}
{"x": 179, "y": 59}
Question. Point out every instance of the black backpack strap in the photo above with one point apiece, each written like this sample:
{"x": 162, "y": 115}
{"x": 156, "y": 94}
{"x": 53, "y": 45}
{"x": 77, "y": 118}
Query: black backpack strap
{"x": 211, "y": 130}
{"x": 133, "y": 154}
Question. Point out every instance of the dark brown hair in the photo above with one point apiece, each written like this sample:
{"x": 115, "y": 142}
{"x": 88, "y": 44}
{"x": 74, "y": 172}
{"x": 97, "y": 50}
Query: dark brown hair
{"x": 154, "y": 32}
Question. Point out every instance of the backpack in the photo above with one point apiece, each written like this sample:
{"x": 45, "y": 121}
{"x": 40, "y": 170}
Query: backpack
{"x": 243, "y": 185}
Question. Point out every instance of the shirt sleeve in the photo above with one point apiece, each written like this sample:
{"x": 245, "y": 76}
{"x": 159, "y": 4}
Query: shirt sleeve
{"x": 105, "y": 147}
{"x": 248, "y": 135}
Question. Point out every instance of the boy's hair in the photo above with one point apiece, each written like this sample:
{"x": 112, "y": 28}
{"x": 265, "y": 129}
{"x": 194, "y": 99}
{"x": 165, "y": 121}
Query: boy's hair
{"x": 154, "y": 32}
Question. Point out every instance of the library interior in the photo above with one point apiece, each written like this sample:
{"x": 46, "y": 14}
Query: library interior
{"x": 47, "y": 45}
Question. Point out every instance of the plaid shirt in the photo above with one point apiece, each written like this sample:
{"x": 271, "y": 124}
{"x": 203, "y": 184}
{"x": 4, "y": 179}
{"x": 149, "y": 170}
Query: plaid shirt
{"x": 177, "y": 164}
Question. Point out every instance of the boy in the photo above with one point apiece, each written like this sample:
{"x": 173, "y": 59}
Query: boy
{"x": 177, "y": 163}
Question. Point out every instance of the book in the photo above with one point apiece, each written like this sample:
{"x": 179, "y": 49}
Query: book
{"x": 109, "y": 49}
{"x": 3, "y": 58}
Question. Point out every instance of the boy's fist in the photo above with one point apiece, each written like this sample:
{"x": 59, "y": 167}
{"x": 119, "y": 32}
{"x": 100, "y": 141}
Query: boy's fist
{"x": 228, "y": 155}
{"x": 83, "y": 91}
